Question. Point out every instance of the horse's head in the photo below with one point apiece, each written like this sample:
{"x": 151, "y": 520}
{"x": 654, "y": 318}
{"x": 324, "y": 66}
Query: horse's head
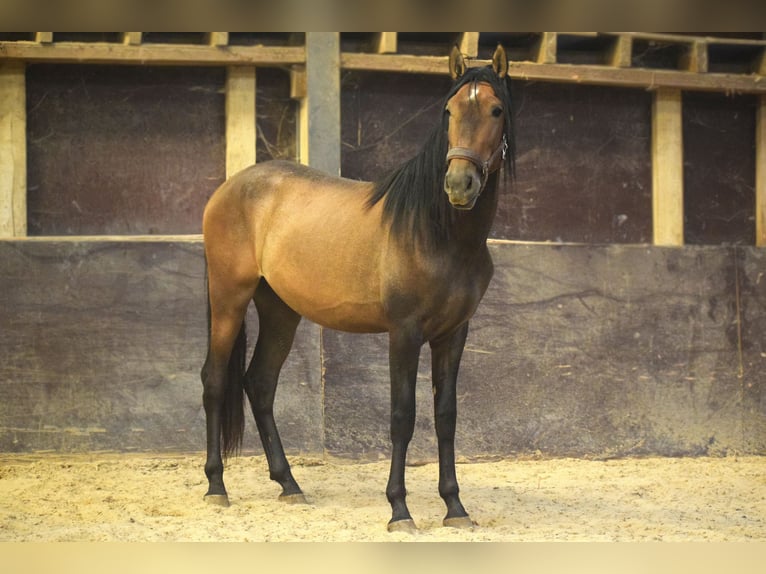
{"x": 478, "y": 120}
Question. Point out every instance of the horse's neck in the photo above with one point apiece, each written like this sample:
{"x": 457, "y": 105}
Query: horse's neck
{"x": 471, "y": 228}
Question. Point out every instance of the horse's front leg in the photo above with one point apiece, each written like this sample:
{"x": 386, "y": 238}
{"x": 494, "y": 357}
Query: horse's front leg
{"x": 404, "y": 353}
{"x": 445, "y": 362}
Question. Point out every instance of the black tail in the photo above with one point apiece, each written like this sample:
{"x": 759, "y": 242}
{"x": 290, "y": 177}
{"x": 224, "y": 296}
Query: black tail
{"x": 232, "y": 413}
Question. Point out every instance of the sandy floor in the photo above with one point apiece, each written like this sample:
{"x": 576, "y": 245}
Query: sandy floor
{"x": 110, "y": 497}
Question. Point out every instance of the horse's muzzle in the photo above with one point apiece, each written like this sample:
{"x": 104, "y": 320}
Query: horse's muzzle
{"x": 462, "y": 185}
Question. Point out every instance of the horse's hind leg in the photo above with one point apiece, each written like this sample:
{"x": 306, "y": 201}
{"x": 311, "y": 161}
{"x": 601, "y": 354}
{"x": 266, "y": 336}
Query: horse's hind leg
{"x": 277, "y": 324}
{"x": 223, "y": 377}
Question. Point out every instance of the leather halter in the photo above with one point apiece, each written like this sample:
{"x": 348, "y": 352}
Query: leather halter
{"x": 485, "y": 167}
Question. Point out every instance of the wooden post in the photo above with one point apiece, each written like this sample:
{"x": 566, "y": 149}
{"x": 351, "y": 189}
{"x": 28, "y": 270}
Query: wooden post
{"x": 760, "y": 173}
{"x": 621, "y": 53}
{"x": 319, "y": 113}
{"x": 695, "y": 58}
{"x": 385, "y": 42}
{"x": 469, "y": 44}
{"x": 217, "y": 38}
{"x": 132, "y": 38}
{"x": 667, "y": 168}
{"x": 546, "y": 48}
{"x": 240, "y": 118}
{"x": 13, "y": 150}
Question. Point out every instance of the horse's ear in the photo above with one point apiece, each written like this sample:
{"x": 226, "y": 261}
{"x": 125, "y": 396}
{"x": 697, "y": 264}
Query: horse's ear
{"x": 456, "y": 63}
{"x": 500, "y": 61}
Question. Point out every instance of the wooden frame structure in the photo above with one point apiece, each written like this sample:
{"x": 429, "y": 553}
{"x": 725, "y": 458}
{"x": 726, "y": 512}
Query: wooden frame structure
{"x": 689, "y": 63}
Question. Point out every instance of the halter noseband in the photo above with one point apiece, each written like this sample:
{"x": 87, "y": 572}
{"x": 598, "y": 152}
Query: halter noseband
{"x": 485, "y": 167}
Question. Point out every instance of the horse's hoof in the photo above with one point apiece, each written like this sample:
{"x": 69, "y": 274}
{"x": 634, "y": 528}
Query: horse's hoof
{"x": 462, "y": 522}
{"x": 407, "y": 525}
{"x": 217, "y": 499}
{"x": 297, "y": 498}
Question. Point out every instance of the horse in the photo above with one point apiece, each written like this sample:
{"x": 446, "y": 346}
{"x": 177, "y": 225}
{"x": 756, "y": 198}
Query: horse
{"x": 405, "y": 255}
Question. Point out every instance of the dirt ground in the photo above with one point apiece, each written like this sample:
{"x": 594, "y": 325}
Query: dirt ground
{"x": 113, "y": 497}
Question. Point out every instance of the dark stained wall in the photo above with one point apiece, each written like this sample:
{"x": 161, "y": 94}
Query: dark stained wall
{"x": 125, "y": 150}
{"x": 719, "y": 168}
{"x": 108, "y": 141}
{"x": 122, "y": 150}
{"x": 575, "y": 351}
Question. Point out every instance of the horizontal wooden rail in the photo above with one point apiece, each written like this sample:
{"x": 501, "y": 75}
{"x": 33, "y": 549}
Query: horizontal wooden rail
{"x": 158, "y": 54}
{"x": 541, "y": 61}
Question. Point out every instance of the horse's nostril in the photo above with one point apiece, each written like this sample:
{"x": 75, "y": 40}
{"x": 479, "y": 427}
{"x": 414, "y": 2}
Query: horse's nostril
{"x": 458, "y": 182}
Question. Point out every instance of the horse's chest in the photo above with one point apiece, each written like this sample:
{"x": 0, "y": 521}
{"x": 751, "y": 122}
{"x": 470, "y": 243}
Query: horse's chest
{"x": 440, "y": 299}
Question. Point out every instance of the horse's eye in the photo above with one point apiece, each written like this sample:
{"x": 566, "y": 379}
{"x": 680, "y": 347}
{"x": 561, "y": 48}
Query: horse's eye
{"x": 497, "y": 112}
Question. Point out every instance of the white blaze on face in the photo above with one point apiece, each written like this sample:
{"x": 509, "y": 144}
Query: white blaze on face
{"x": 473, "y": 92}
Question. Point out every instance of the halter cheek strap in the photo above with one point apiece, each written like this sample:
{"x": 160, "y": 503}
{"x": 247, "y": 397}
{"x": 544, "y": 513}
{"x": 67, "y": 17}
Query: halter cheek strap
{"x": 485, "y": 167}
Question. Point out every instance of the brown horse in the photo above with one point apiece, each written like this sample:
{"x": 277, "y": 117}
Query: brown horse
{"x": 406, "y": 255}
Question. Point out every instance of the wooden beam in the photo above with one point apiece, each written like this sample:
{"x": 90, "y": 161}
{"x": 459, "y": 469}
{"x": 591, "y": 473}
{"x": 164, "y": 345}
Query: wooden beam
{"x": 759, "y": 66}
{"x": 403, "y": 63}
{"x": 586, "y": 74}
{"x": 667, "y": 168}
{"x": 158, "y": 54}
{"x": 132, "y": 38}
{"x": 695, "y": 58}
{"x": 319, "y": 113}
{"x": 385, "y": 42}
{"x": 760, "y": 173}
{"x": 298, "y": 82}
{"x": 545, "y": 48}
{"x": 469, "y": 44}
{"x": 217, "y": 38}
{"x": 240, "y": 118}
{"x": 13, "y": 150}
{"x": 621, "y": 52}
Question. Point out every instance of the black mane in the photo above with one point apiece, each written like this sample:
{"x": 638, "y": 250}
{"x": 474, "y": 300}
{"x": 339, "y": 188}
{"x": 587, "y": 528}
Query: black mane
{"x": 413, "y": 193}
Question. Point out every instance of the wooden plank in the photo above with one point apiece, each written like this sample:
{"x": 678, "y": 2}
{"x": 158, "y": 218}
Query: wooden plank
{"x": 667, "y": 168}
{"x": 385, "y": 42}
{"x": 132, "y": 38}
{"x": 586, "y": 74}
{"x": 240, "y": 118}
{"x": 636, "y": 77}
{"x": 13, "y": 150}
{"x": 695, "y": 58}
{"x": 545, "y": 48}
{"x": 621, "y": 52}
{"x": 298, "y": 82}
{"x": 218, "y": 38}
{"x": 319, "y": 113}
{"x": 290, "y": 55}
{"x": 760, "y": 173}
{"x": 403, "y": 63}
{"x": 683, "y": 39}
{"x": 160, "y": 54}
{"x": 469, "y": 44}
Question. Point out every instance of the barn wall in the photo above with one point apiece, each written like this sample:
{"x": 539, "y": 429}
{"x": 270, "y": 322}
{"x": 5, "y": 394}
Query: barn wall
{"x": 575, "y": 350}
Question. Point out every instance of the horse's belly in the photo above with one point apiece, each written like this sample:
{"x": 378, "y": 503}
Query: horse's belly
{"x": 344, "y": 301}
{"x": 350, "y": 316}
